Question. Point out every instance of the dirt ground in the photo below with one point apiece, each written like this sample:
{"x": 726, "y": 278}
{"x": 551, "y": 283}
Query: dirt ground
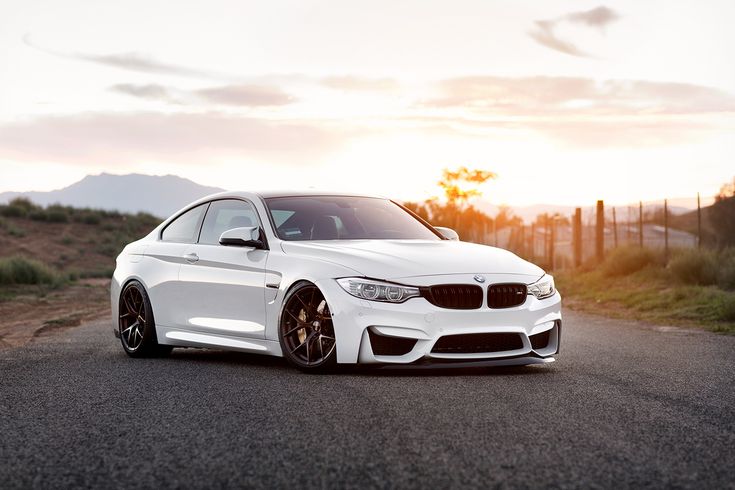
{"x": 30, "y": 315}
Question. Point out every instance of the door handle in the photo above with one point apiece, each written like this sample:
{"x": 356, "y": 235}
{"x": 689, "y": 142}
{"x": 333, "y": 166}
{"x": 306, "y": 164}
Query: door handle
{"x": 191, "y": 258}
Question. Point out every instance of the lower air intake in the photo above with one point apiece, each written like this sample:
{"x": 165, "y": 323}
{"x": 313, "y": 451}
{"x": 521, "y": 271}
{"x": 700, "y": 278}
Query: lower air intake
{"x": 476, "y": 343}
{"x": 540, "y": 340}
{"x": 384, "y": 345}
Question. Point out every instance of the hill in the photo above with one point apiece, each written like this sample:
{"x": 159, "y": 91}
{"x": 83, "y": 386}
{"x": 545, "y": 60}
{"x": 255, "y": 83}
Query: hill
{"x": 70, "y": 241}
{"x": 131, "y": 193}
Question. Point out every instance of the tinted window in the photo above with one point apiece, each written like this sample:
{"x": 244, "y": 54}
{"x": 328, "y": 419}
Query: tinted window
{"x": 225, "y": 215}
{"x": 185, "y": 228}
{"x": 344, "y": 218}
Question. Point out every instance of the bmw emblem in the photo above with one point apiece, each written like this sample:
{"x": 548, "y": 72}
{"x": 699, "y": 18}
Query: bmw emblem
{"x": 479, "y": 278}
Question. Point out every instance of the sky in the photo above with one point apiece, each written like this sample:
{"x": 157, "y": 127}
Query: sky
{"x": 568, "y": 102}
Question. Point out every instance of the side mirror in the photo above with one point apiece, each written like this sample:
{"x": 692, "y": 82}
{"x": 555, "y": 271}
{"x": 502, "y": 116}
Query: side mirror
{"x": 248, "y": 236}
{"x": 447, "y": 233}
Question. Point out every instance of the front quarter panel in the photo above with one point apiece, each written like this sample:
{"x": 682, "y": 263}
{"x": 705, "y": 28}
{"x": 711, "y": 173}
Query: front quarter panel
{"x": 284, "y": 271}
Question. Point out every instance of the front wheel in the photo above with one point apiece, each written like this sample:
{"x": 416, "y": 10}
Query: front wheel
{"x": 306, "y": 332}
{"x": 136, "y": 326}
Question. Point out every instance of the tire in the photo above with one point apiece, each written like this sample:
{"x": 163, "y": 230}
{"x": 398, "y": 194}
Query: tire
{"x": 136, "y": 325}
{"x": 306, "y": 331}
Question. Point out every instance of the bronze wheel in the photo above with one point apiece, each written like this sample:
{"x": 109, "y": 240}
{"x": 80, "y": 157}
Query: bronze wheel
{"x": 136, "y": 326}
{"x": 306, "y": 330}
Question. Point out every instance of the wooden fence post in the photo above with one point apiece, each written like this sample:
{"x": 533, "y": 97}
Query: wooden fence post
{"x": 577, "y": 237}
{"x": 600, "y": 231}
{"x": 699, "y": 222}
{"x": 666, "y": 230}
{"x": 615, "y": 228}
{"x": 523, "y": 240}
{"x": 552, "y": 238}
{"x": 640, "y": 223}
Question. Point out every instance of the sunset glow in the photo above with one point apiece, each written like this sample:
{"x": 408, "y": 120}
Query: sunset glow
{"x": 566, "y": 102}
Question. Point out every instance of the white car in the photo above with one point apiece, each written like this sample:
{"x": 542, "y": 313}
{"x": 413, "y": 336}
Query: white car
{"x": 325, "y": 279}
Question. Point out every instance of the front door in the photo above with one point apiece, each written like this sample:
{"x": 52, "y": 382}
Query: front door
{"x": 223, "y": 287}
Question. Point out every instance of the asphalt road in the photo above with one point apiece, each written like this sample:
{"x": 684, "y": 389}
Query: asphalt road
{"x": 625, "y": 406}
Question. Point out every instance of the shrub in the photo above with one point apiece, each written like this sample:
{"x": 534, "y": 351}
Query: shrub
{"x": 57, "y": 216}
{"x": 727, "y": 309}
{"x": 19, "y": 270}
{"x": 695, "y": 266}
{"x": 13, "y": 212}
{"x": 23, "y": 203}
{"x": 38, "y": 215}
{"x": 726, "y": 272}
{"x": 16, "y": 232}
{"x": 624, "y": 261}
{"x": 91, "y": 219}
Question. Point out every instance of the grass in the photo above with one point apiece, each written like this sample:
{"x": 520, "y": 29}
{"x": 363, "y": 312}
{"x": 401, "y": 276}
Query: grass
{"x": 19, "y": 270}
{"x": 637, "y": 284}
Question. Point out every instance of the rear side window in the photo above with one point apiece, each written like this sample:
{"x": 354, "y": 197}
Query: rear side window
{"x": 185, "y": 228}
{"x": 225, "y": 215}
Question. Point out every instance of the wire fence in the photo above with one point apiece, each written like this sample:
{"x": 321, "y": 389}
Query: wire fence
{"x": 562, "y": 241}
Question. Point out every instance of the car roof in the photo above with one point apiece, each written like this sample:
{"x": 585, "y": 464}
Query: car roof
{"x": 289, "y": 193}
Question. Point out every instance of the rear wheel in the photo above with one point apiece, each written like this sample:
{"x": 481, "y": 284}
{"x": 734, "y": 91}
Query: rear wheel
{"x": 136, "y": 326}
{"x": 306, "y": 331}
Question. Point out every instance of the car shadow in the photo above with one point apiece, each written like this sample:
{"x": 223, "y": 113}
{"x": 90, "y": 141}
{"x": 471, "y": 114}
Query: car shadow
{"x": 229, "y": 357}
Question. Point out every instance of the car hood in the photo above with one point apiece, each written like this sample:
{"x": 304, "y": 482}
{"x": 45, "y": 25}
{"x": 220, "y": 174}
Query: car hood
{"x": 392, "y": 259}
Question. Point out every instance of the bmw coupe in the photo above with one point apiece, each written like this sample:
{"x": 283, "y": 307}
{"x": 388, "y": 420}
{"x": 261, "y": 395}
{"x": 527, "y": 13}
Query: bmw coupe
{"x": 326, "y": 279}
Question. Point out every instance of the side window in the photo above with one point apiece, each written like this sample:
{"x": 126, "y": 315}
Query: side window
{"x": 225, "y": 215}
{"x": 185, "y": 228}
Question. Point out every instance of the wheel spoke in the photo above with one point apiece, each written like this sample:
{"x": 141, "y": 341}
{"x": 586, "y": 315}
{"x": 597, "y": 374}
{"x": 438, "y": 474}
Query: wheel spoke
{"x": 127, "y": 330}
{"x": 306, "y": 306}
{"x": 296, "y": 328}
{"x": 298, "y": 347}
{"x": 131, "y": 309}
{"x": 298, "y": 320}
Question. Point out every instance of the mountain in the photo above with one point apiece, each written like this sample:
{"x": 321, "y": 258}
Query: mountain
{"x": 158, "y": 195}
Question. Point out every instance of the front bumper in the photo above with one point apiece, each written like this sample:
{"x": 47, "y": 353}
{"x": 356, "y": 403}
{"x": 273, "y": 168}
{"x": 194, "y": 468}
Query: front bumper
{"x": 418, "y": 325}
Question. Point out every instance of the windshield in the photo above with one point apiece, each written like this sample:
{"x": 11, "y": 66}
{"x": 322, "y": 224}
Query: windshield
{"x": 344, "y": 218}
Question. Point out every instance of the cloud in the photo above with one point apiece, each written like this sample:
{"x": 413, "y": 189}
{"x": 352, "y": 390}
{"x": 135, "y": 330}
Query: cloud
{"x": 246, "y": 95}
{"x": 532, "y": 96}
{"x": 363, "y": 84}
{"x": 597, "y": 17}
{"x": 133, "y": 62}
{"x": 544, "y": 35}
{"x": 148, "y": 91}
{"x": 544, "y": 31}
{"x": 228, "y": 95}
{"x": 115, "y": 138}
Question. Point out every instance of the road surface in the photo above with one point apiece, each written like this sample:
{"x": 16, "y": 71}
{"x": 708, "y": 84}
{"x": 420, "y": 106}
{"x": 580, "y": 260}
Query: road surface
{"x": 625, "y": 405}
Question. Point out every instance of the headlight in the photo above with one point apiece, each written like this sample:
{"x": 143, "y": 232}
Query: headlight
{"x": 543, "y": 288}
{"x": 377, "y": 290}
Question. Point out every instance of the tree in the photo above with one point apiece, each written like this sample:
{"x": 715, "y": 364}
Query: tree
{"x": 462, "y": 184}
